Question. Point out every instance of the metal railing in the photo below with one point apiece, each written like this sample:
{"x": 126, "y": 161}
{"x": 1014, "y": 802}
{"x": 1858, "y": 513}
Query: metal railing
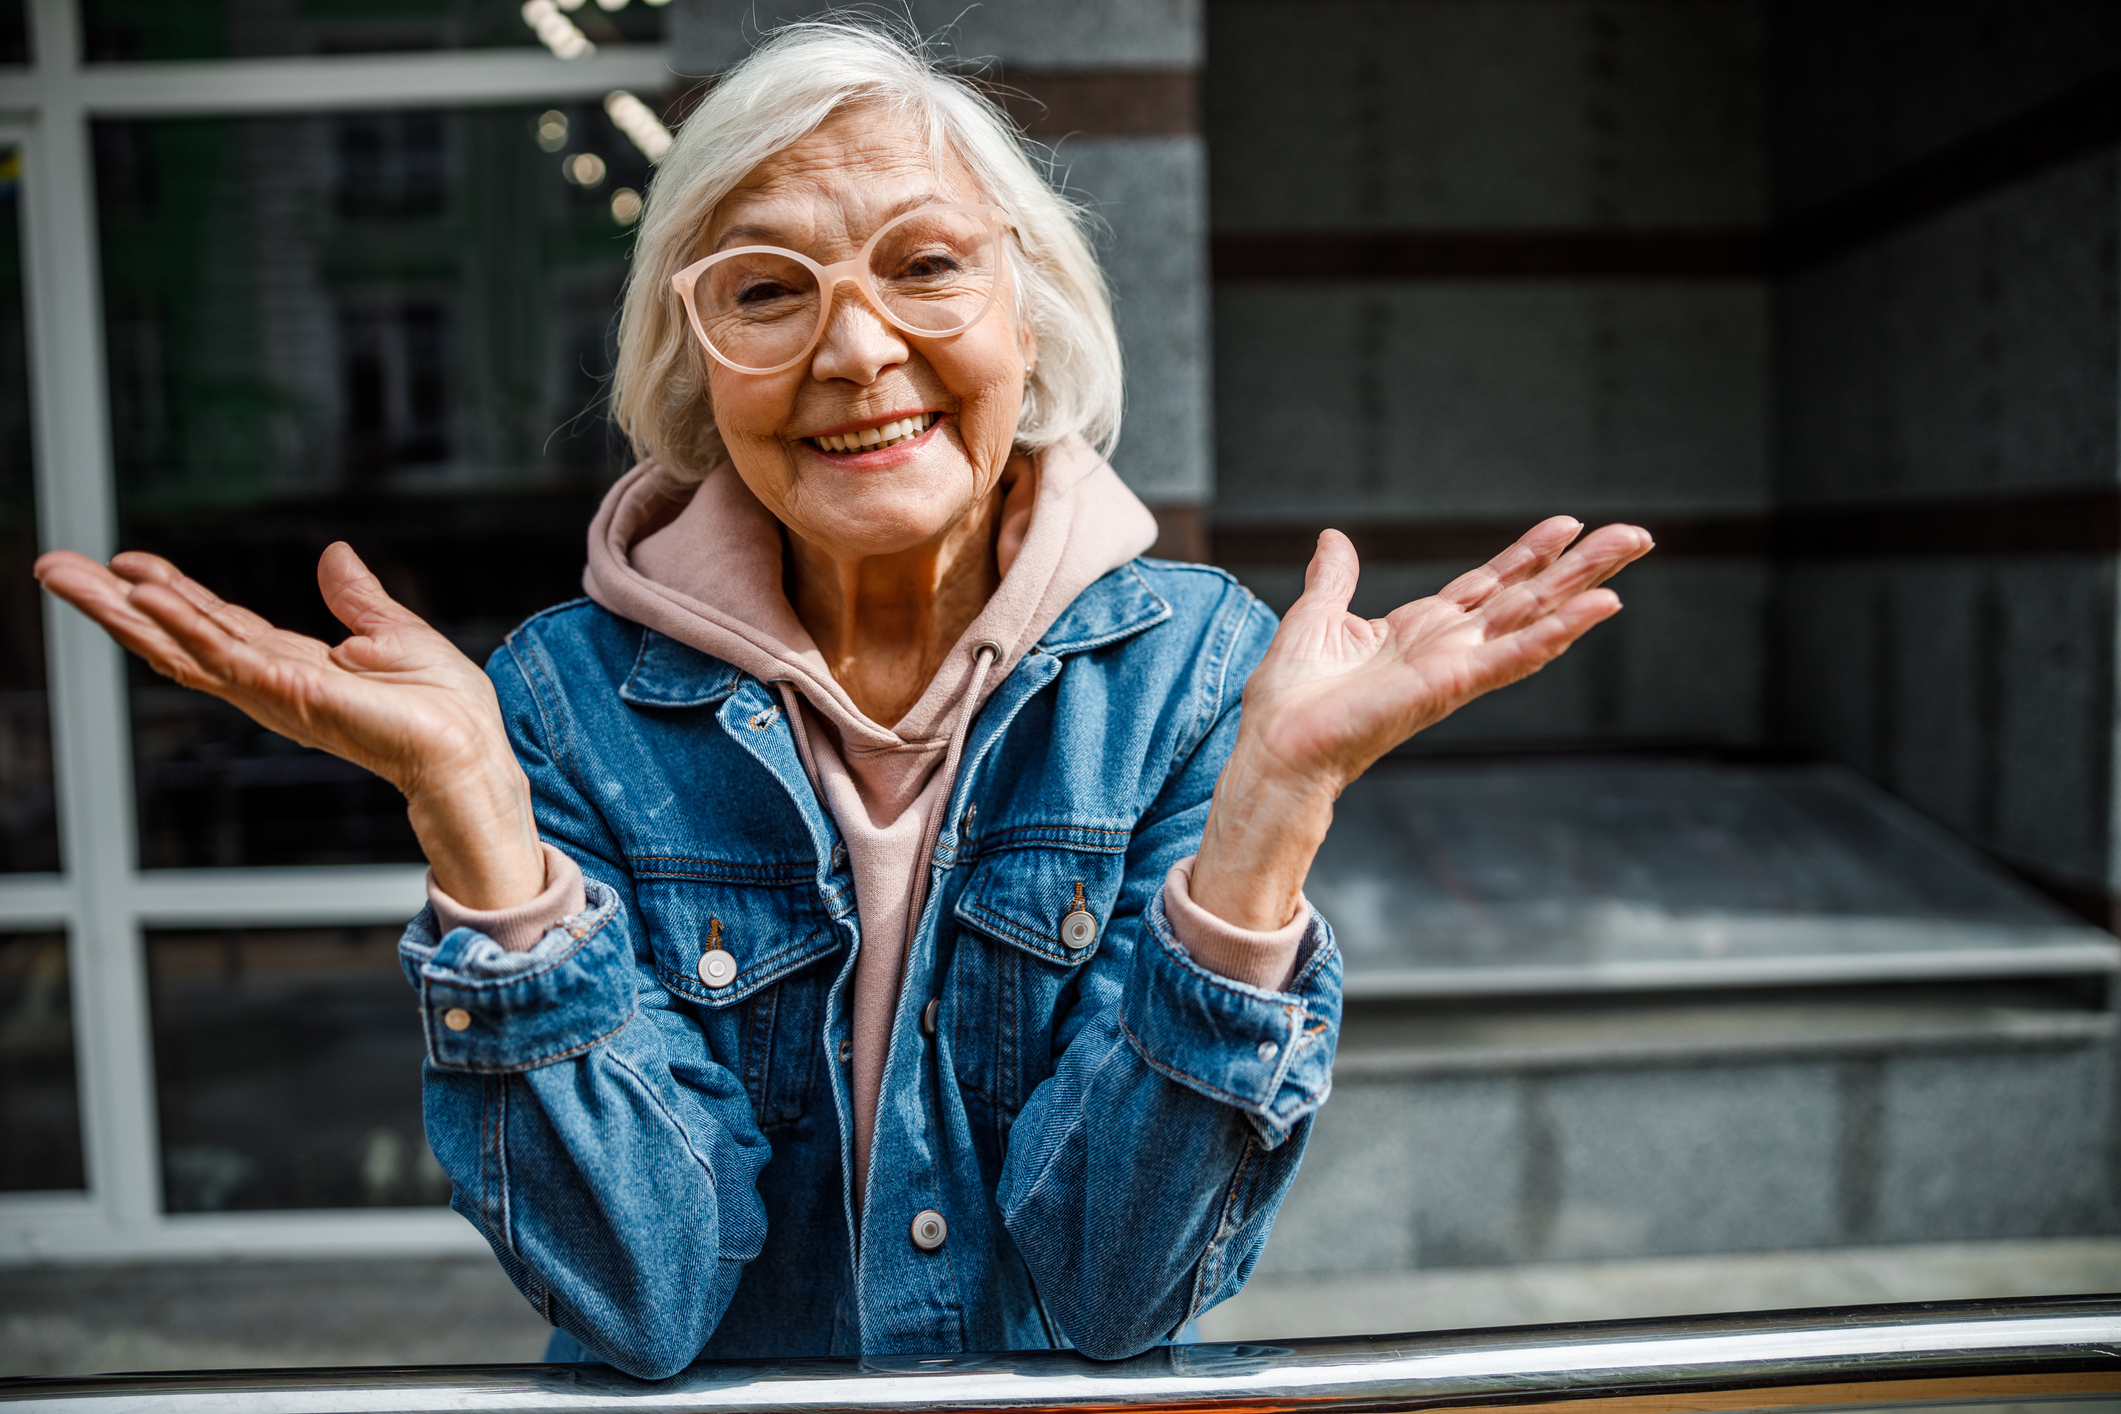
{"x": 1960, "y": 1352}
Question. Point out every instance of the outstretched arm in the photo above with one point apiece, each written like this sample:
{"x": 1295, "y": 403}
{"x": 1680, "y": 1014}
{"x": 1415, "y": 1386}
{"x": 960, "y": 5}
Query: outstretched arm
{"x": 1335, "y": 692}
{"x": 396, "y": 698}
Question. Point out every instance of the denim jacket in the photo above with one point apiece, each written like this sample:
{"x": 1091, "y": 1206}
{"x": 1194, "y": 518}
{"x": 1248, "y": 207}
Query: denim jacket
{"x": 1106, "y": 1131}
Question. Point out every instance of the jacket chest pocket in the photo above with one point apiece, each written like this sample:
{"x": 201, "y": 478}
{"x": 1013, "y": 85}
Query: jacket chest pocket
{"x": 1031, "y": 920}
{"x": 750, "y": 958}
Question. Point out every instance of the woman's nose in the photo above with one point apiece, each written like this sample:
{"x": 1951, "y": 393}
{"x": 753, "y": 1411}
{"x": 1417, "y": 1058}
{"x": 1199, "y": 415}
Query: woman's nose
{"x": 858, "y": 343}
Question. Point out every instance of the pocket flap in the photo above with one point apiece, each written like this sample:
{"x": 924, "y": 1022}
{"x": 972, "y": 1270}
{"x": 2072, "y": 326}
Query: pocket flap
{"x": 769, "y": 926}
{"x": 1023, "y": 897}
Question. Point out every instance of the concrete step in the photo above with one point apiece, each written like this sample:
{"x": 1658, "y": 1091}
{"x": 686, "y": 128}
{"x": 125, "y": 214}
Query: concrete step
{"x": 1612, "y": 1009}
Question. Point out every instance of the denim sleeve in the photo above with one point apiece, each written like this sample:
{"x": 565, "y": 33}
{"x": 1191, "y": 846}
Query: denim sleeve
{"x": 610, "y": 1163}
{"x": 1142, "y": 1176}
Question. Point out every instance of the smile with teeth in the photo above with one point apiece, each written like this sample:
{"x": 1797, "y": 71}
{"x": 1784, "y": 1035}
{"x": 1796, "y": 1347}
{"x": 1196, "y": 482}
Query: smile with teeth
{"x": 871, "y": 439}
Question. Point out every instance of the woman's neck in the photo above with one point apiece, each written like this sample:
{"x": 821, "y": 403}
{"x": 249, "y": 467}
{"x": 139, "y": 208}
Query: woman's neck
{"x": 886, "y": 622}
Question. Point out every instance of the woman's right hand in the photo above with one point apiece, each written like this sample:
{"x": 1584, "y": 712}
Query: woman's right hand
{"x": 396, "y": 698}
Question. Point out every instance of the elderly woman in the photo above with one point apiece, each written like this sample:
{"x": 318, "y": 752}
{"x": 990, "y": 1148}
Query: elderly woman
{"x": 867, "y": 922}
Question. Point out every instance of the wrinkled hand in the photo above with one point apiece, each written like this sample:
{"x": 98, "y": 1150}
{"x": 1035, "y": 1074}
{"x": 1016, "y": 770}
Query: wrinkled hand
{"x": 1335, "y": 692}
{"x": 396, "y": 698}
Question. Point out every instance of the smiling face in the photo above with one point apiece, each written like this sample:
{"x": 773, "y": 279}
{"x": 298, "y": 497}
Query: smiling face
{"x": 878, "y": 442}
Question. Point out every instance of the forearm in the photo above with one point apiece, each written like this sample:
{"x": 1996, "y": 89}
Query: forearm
{"x": 1264, "y": 828}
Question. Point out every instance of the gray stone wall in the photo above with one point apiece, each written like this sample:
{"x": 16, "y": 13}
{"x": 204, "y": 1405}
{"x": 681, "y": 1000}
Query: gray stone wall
{"x": 1486, "y": 396}
{"x": 1964, "y": 354}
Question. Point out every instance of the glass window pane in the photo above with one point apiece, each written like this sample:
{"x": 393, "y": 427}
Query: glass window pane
{"x": 388, "y": 328}
{"x": 29, "y": 827}
{"x": 40, "y": 1117}
{"x": 117, "y": 31}
{"x": 287, "y": 1067}
{"x": 14, "y": 31}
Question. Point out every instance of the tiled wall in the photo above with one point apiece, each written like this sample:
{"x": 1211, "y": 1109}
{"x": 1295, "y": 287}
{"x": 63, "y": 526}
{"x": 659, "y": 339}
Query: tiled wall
{"x": 1508, "y": 386}
{"x": 1964, "y": 352}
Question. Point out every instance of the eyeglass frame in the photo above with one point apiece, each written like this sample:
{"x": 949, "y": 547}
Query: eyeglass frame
{"x": 854, "y": 271}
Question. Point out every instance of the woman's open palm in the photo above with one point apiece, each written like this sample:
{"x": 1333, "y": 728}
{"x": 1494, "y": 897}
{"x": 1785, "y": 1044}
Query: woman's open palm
{"x": 396, "y": 697}
{"x": 1335, "y": 691}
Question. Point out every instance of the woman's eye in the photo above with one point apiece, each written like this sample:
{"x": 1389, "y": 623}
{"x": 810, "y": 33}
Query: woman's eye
{"x": 936, "y": 266}
{"x": 762, "y": 292}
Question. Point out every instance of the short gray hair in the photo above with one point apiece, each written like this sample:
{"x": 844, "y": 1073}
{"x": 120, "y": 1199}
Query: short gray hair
{"x": 798, "y": 77}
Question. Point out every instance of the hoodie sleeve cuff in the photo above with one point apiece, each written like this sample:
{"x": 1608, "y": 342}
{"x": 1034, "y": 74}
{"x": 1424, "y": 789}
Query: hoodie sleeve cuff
{"x": 1263, "y": 959}
{"x": 519, "y": 928}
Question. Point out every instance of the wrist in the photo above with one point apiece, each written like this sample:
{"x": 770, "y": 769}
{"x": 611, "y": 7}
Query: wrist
{"x": 480, "y": 836}
{"x": 1263, "y": 829}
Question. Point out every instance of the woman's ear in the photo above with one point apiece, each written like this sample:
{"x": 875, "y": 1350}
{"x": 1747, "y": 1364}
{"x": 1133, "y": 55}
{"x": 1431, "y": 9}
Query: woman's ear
{"x": 1027, "y": 341}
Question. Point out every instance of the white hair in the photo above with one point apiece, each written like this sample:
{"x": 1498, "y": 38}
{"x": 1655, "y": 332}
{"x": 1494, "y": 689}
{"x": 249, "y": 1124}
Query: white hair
{"x": 798, "y": 77}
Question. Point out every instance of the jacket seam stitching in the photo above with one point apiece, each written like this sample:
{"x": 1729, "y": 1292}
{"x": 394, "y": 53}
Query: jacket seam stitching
{"x": 1195, "y": 1082}
{"x": 533, "y": 671}
{"x": 543, "y": 970}
{"x": 1019, "y": 936}
{"x": 517, "y": 1067}
{"x": 803, "y": 952}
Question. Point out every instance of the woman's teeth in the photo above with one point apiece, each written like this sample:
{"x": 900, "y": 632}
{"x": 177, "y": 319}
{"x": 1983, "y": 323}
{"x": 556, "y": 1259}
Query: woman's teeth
{"x": 873, "y": 438}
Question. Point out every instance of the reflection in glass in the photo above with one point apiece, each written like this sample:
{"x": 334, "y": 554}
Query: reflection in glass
{"x": 389, "y": 328}
{"x": 40, "y": 1117}
{"x": 130, "y": 30}
{"x": 29, "y": 828}
{"x": 287, "y": 1066}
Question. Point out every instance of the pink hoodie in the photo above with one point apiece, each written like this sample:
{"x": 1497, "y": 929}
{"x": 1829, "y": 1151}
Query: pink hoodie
{"x": 707, "y": 571}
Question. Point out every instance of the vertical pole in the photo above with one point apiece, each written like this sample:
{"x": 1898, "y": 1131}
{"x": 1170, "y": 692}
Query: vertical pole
{"x": 90, "y": 737}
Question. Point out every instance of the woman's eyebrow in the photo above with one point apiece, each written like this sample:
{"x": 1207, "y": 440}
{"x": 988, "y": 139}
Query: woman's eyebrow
{"x": 750, "y": 233}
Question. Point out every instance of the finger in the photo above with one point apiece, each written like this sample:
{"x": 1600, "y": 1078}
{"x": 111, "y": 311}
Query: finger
{"x": 142, "y": 568}
{"x": 101, "y": 595}
{"x": 1594, "y": 560}
{"x": 1505, "y": 660}
{"x": 1331, "y": 577}
{"x": 1533, "y": 552}
{"x": 355, "y": 596}
{"x": 225, "y": 660}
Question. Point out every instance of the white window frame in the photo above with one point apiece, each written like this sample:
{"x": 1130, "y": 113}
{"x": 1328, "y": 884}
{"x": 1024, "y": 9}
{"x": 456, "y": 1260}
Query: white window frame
{"x": 103, "y": 899}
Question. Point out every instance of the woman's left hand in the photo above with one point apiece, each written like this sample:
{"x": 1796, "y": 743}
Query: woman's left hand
{"x": 1335, "y": 692}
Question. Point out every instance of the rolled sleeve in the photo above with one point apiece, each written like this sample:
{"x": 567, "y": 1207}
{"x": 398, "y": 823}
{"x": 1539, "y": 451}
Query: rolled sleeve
{"x": 486, "y": 1007}
{"x": 517, "y": 929}
{"x": 1262, "y": 957}
{"x": 1265, "y": 1053}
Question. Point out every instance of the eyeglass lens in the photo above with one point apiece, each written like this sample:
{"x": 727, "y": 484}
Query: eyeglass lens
{"x": 935, "y": 270}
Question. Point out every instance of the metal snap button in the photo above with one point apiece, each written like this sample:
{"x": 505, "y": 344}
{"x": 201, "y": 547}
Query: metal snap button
{"x": 1268, "y": 1051}
{"x": 846, "y": 1051}
{"x": 1079, "y": 928}
{"x": 929, "y": 1229}
{"x": 928, "y": 1012}
{"x": 717, "y": 968}
{"x": 456, "y": 1019}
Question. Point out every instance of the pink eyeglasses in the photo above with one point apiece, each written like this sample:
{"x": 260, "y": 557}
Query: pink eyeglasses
{"x": 931, "y": 272}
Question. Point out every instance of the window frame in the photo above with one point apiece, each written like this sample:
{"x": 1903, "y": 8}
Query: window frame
{"x": 102, "y": 898}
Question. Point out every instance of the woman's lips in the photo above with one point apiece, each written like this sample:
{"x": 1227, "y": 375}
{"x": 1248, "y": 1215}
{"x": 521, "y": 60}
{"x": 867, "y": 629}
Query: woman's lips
{"x": 894, "y": 441}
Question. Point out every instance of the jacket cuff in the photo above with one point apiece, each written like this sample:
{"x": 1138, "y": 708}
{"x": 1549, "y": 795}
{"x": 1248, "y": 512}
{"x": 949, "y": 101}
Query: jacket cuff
{"x": 1265, "y": 1053}
{"x": 487, "y": 1008}
{"x": 1261, "y": 957}
{"x": 519, "y": 928}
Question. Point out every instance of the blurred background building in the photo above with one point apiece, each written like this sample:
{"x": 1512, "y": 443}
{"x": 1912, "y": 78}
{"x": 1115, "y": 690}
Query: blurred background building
{"x": 1776, "y": 916}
